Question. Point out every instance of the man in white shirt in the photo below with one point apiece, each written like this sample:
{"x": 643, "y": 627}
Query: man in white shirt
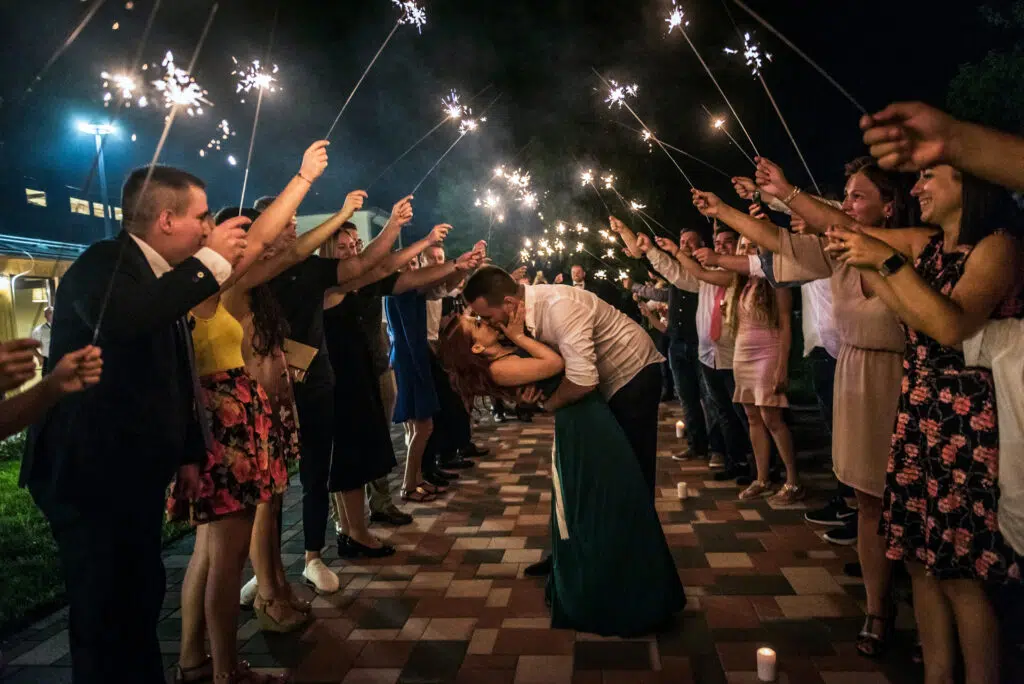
{"x": 41, "y": 334}
{"x": 603, "y": 350}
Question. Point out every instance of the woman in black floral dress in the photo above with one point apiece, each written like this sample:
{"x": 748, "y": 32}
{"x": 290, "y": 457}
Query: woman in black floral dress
{"x": 942, "y": 490}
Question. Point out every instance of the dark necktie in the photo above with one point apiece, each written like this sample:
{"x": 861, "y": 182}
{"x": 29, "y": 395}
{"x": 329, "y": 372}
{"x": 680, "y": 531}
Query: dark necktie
{"x": 197, "y": 405}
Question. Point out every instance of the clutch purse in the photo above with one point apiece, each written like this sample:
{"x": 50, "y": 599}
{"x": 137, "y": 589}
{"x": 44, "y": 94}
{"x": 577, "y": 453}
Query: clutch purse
{"x": 299, "y": 357}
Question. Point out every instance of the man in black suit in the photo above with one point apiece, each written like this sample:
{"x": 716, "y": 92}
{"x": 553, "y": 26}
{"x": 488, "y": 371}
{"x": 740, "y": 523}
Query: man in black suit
{"x": 98, "y": 464}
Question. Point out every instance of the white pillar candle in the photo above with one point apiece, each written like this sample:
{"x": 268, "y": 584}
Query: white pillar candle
{"x": 680, "y": 426}
{"x": 765, "y": 665}
{"x": 682, "y": 491}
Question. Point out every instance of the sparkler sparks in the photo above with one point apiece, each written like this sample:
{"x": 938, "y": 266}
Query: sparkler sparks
{"x": 232, "y": 160}
{"x": 180, "y": 89}
{"x": 581, "y": 229}
{"x": 676, "y": 18}
{"x": 413, "y": 14}
{"x": 123, "y": 83}
{"x": 529, "y": 200}
{"x": 452, "y": 107}
{"x": 579, "y": 246}
{"x": 586, "y": 178}
{"x": 623, "y": 275}
{"x": 609, "y": 253}
{"x": 609, "y": 182}
{"x": 636, "y": 206}
{"x": 751, "y": 53}
{"x": 252, "y": 76}
{"x": 718, "y": 123}
{"x": 602, "y": 274}
{"x": 214, "y": 145}
{"x": 617, "y": 94}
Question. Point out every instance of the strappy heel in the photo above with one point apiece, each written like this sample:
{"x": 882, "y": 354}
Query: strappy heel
{"x": 870, "y": 643}
{"x": 197, "y": 674}
{"x": 416, "y": 495}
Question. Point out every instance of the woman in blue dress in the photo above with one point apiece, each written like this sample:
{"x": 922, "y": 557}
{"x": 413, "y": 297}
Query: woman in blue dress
{"x": 612, "y": 573}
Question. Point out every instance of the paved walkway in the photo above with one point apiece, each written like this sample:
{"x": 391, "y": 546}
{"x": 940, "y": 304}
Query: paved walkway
{"x": 453, "y": 606}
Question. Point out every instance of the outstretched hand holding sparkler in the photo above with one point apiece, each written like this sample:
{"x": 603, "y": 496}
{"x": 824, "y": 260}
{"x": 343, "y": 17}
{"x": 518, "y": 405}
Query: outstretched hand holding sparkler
{"x": 438, "y": 233}
{"x": 707, "y": 203}
{"x": 745, "y": 188}
{"x": 314, "y": 161}
{"x": 910, "y": 136}
{"x": 401, "y": 213}
{"x": 353, "y": 203}
{"x": 670, "y": 247}
{"x": 771, "y": 179}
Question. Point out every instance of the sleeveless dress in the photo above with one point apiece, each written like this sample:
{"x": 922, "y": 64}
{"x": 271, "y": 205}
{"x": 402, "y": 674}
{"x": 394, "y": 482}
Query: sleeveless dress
{"x": 241, "y": 470}
{"x": 756, "y": 354}
{"x": 363, "y": 451}
{"x": 612, "y": 572}
{"x": 942, "y": 490}
{"x": 410, "y": 356}
{"x": 271, "y": 372}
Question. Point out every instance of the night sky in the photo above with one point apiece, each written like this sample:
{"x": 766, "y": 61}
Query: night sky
{"x": 550, "y": 119}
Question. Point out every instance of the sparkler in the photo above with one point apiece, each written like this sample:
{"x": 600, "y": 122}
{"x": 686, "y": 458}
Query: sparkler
{"x": 752, "y": 54}
{"x": 617, "y": 94}
{"x": 152, "y": 165}
{"x": 179, "y": 89}
{"x": 609, "y": 182}
{"x": 719, "y": 124}
{"x": 529, "y": 200}
{"x": 799, "y": 52}
{"x": 215, "y": 143}
{"x": 465, "y": 126}
{"x": 647, "y": 136}
{"x": 611, "y": 85}
{"x": 126, "y": 85}
{"x": 412, "y": 14}
{"x": 681, "y": 25}
{"x": 253, "y": 76}
{"x": 452, "y": 112}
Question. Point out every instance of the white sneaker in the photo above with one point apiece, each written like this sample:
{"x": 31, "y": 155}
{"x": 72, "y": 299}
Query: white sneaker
{"x": 249, "y": 592}
{"x": 320, "y": 577}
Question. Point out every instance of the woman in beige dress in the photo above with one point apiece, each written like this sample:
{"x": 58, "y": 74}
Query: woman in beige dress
{"x": 869, "y": 369}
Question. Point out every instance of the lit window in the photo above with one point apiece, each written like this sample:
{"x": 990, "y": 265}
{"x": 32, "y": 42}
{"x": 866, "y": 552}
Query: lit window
{"x": 97, "y": 210}
{"x": 36, "y": 198}
{"x": 79, "y": 206}
{"x": 118, "y": 215}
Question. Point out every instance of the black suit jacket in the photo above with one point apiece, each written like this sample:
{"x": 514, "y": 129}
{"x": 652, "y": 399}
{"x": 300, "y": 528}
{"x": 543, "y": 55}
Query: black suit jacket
{"x": 125, "y": 437}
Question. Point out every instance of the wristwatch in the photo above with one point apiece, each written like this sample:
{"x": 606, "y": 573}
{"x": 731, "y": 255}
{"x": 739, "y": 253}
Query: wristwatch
{"x": 893, "y": 264}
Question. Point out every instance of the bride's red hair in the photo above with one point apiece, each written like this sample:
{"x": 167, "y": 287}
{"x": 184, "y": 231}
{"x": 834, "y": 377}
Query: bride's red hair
{"x": 470, "y": 373}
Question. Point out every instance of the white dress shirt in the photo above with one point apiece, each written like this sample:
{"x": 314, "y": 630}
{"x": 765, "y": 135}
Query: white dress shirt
{"x": 711, "y": 353}
{"x": 601, "y": 345}
{"x": 819, "y": 327}
{"x": 218, "y": 265}
{"x": 41, "y": 334}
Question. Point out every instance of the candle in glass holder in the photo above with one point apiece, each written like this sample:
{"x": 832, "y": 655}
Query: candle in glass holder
{"x": 765, "y": 665}
{"x": 682, "y": 491}
{"x": 680, "y": 426}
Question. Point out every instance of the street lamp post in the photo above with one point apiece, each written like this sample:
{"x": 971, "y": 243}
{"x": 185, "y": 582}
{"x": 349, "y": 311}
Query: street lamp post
{"x": 100, "y": 131}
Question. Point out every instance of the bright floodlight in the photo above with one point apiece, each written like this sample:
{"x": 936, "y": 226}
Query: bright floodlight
{"x": 96, "y": 129}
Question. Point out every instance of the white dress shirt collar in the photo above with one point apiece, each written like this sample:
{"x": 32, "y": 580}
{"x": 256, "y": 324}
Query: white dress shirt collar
{"x": 156, "y": 262}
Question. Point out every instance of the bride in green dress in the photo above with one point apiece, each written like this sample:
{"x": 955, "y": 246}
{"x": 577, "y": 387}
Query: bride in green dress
{"x": 612, "y": 572}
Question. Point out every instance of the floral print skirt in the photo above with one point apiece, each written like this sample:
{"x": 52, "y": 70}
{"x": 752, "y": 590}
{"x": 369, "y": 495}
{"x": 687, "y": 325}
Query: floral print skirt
{"x": 242, "y": 469}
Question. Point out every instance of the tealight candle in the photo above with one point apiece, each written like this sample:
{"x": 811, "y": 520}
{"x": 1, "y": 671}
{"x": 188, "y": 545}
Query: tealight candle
{"x": 680, "y": 426}
{"x": 682, "y": 491}
{"x": 765, "y": 665}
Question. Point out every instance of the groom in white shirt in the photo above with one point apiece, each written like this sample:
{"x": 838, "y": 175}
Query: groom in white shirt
{"x": 603, "y": 350}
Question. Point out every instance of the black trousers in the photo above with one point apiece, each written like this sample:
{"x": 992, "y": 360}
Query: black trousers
{"x": 315, "y": 404}
{"x": 452, "y": 427}
{"x": 635, "y": 406}
{"x": 115, "y": 585}
{"x": 725, "y": 416}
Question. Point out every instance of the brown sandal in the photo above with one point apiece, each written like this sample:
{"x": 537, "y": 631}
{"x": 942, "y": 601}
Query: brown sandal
{"x": 417, "y": 495}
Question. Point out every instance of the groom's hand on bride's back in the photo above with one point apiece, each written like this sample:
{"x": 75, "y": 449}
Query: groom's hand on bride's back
{"x": 529, "y": 395}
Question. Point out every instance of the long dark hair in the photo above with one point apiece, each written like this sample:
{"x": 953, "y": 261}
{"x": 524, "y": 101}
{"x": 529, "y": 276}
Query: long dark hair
{"x": 470, "y": 373}
{"x": 894, "y": 187}
{"x": 270, "y": 327}
{"x": 986, "y": 209}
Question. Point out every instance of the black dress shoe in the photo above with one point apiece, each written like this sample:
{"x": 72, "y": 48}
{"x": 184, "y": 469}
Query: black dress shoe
{"x": 455, "y": 462}
{"x": 451, "y": 477}
{"x": 474, "y": 451}
{"x": 350, "y": 548}
{"x": 434, "y": 478}
{"x": 728, "y": 474}
{"x": 541, "y": 569}
{"x": 391, "y": 516}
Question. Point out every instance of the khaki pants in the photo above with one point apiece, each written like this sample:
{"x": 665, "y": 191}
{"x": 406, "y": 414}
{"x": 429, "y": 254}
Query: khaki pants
{"x": 378, "y": 493}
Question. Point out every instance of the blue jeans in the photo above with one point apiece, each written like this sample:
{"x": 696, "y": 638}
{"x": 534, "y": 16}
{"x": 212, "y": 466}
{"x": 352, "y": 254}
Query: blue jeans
{"x": 728, "y": 430}
{"x": 682, "y": 357}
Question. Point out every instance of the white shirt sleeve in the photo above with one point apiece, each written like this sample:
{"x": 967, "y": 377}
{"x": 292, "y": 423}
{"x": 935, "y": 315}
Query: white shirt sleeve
{"x": 672, "y": 270}
{"x": 573, "y": 326}
{"x": 755, "y": 266}
{"x": 218, "y": 265}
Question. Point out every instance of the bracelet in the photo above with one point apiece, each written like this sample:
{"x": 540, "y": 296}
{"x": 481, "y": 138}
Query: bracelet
{"x": 299, "y": 175}
{"x": 792, "y": 196}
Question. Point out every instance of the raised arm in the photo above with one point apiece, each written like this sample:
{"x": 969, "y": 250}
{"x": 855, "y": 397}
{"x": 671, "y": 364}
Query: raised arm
{"x": 693, "y": 267}
{"x": 665, "y": 265}
{"x": 911, "y": 136}
{"x": 736, "y": 263}
{"x": 818, "y": 214}
{"x": 272, "y": 222}
{"x": 426, "y": 277}
{"x": 308, "y": 242}
{"x": 380, "y": 246}
{"x": 653, "y": 318}
{"x": 762, "y": 233}
{"x": 514, "y": 371}
{"x": 627, "y": 235}
{"x": 990, "y": 274}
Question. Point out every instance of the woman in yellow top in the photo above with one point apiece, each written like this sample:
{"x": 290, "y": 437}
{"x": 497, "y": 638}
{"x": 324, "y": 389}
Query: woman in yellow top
{"x": 242, "y": 468}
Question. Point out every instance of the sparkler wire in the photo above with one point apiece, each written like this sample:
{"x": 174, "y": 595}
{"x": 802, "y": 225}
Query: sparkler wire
{"x": 682, "y": 152}
{"x": 360, "y": 81}
{"x": 759, "y": 19}
{"x": 256, "y": 117}
{"x": 452, "y": 146}
{"x": 726, "y": 131}
{"x": 790, "y": 134}
{"x": 721, "y": 92}
{"x": 149, "y": 175}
